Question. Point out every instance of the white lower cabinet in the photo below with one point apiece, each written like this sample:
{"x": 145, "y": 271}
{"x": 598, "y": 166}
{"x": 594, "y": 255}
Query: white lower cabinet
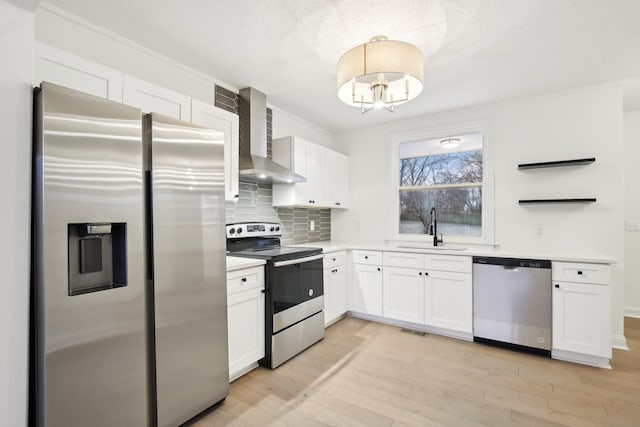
{"x": 582, "y": 318}
{"x": 581, "y": 314}
{"x": 403, "y": 294}
{"x": 366, "y": 289}
{"x": 418, "y": 289}
{"x": 245, "y": 314}
{"x": 335, "y": 293}
{"x": 448, "y": 301}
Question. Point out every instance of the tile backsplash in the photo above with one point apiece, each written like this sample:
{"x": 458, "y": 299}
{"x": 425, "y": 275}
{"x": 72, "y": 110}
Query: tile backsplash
{"x": 254, "y": 204}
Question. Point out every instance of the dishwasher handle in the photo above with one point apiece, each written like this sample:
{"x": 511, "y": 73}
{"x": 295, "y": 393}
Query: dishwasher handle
{"x": 512, "y": 263}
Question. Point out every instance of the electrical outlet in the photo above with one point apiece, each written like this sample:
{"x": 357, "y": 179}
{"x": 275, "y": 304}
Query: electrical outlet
{"x": 539, "y": 231}
{"x": 312, "y": 225}
{"x": 632, "y": 225}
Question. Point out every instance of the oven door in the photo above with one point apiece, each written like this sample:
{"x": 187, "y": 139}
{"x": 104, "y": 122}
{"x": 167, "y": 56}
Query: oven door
{"x": 296, "y": 281}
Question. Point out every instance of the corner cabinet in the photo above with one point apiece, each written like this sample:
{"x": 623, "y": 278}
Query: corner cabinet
{"x": 246, "y": 322}
{"x": 227, "y": 124}
{"x": 581, "y": 313}
{"x": 327, "y": 174}
{"x": 335, "y": 287}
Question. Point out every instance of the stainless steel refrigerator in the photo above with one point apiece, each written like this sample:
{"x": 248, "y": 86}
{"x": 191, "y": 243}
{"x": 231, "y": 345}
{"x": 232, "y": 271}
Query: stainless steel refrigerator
{"x": 129, "y": 275}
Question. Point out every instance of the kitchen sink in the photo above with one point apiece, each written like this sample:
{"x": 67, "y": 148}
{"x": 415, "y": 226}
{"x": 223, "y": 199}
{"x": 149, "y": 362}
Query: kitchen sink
{"x": 438, "y": 248}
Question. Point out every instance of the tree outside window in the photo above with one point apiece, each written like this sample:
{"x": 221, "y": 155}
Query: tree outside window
{"x": 449, "y": 181}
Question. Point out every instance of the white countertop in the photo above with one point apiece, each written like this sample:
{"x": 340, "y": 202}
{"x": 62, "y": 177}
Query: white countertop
{"x": 330, "y": 246}
{"x": 238, "y": 263}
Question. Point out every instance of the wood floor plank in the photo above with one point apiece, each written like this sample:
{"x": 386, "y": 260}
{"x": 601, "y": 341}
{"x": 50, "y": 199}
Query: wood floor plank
{"x": 369, "y": 374}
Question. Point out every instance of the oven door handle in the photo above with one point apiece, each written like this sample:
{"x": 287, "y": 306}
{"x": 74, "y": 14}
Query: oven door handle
{"x": 297, "y": 260}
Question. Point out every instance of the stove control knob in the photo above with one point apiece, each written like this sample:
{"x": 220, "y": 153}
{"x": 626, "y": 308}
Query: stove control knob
{"x": 239, "y": 230}
{"x": 232, "y": 231}
{"x": 277, "y": 228}
{"x": 271, "y": 229}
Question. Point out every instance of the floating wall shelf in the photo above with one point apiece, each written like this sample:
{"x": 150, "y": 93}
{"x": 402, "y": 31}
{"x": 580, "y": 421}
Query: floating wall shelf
{"x": 555, "y": 201}
{"x": 555, "y": 164}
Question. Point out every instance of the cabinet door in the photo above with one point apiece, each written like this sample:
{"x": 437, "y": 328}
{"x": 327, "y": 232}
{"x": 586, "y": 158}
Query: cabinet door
{"x": 339, "y": 283}
{"x": 329, "y": 314}
{"x": 336, "y": 180}
{"x": 581, "y": 318}
{"x": 155, "y": 99}
{"x": 226, "y": 123}
{"x": 366, "y": 292}
{"x": 448, "y": 300}
{"x": 335, "y": 293}
{"x": 64, "y": 69}
{"x": 316, "y": 176}
{"x": 403, "y": 294}
{"x": 246, "y": 329}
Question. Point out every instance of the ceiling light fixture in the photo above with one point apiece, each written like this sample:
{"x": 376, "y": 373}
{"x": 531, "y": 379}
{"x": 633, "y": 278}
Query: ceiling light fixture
{"x": 381, "y": 73}
{"x": 450, "y": 142}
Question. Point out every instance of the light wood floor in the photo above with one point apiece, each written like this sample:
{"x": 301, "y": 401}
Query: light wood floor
{"x": 368, "y": 374}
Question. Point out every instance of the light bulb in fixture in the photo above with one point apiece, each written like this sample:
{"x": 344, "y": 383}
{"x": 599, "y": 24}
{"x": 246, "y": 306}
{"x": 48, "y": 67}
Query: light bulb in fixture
{"x": 290, "y": 181}
{"x": 262, "y": 176}
{"x": 450, "y": 142}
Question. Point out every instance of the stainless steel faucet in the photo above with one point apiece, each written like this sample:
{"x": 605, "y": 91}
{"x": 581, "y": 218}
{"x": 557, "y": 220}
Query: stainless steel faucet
{"x": 433, "y": 227}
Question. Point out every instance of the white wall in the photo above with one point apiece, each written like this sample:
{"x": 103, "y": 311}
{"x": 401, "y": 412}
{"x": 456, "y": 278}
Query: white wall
{"x": 586, "y": 123}
{"x": 632, "y": 213}
{"x": 16, "y": 45}
{"x": 286, "y": 124}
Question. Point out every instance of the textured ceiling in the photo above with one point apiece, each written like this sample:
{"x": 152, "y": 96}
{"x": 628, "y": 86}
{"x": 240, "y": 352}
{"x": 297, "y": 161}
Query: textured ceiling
{"x": 476, "y": 51}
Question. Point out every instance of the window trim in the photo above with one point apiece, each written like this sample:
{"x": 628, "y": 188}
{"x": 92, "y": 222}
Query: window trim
{"x": 488, "y": 205}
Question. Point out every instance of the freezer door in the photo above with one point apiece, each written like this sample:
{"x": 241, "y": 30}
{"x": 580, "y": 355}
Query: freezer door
{"x": 88, "y": 205}
{"x": 189, "y": 267}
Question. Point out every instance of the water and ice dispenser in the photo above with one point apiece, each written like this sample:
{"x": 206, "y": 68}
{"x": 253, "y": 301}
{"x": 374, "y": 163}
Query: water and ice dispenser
{"x": 97, "y": 257}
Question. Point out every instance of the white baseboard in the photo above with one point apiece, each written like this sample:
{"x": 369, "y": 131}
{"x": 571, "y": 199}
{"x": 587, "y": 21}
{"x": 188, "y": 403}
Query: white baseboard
{"x": 632, "y": 312}
{"x": 584, "y": 359}
{"x": 619, "y": 342}
{"x": 415, "y": 326}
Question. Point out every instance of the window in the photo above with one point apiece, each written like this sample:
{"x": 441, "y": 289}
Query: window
{"x": 432, "y": 175}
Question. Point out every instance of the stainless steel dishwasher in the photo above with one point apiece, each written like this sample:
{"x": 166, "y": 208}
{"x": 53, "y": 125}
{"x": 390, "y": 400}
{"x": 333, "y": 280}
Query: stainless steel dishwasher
{"x": 512, "y": 303}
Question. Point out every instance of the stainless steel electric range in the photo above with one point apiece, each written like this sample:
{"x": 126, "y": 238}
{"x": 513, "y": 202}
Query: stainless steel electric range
{"x": 294, "y": 289}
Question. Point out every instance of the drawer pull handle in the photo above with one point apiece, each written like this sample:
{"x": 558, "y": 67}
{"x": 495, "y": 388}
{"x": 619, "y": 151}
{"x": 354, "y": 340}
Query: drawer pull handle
{"x": 420, "y": 274}
{"x": 244, "y": 279}
{"x": 557, "y": 286}
{"x": 426, "y": 273}
{"x": 333, "y": 259}
{"x": 366, "y": 257}
{"x": 579, "y": 273}
{"x": 378, "y": 268}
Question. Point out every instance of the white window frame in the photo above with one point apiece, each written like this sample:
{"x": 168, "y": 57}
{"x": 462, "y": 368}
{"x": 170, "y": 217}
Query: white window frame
{"x": 487, "y": 236}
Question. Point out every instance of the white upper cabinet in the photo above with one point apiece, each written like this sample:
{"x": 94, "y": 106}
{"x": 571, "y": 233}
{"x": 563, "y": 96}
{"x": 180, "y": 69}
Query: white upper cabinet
{"x": 326, "y": 172}
{"x": 155, "y": 99}
{"x": 336, "y": 179}
{"x": 215, "y": 118}
{"x": 65, "y": 69}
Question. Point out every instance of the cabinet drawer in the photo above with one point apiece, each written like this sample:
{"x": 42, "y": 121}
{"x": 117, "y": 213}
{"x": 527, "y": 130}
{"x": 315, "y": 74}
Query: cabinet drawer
{"x": 581, "y": 273}
{"x": 242, "y": 280}
{"x": 448, "y": 263}
{"x": 334, "y": 259}
{"x": 367, "y": 257}
{"x": 404, "y": 259}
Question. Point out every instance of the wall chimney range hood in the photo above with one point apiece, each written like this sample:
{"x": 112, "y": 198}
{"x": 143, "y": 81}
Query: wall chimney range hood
{"x": 254, "y": 164}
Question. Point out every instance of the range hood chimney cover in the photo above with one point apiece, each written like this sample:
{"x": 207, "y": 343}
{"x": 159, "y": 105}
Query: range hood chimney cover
{"x": 254, "y": 164}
